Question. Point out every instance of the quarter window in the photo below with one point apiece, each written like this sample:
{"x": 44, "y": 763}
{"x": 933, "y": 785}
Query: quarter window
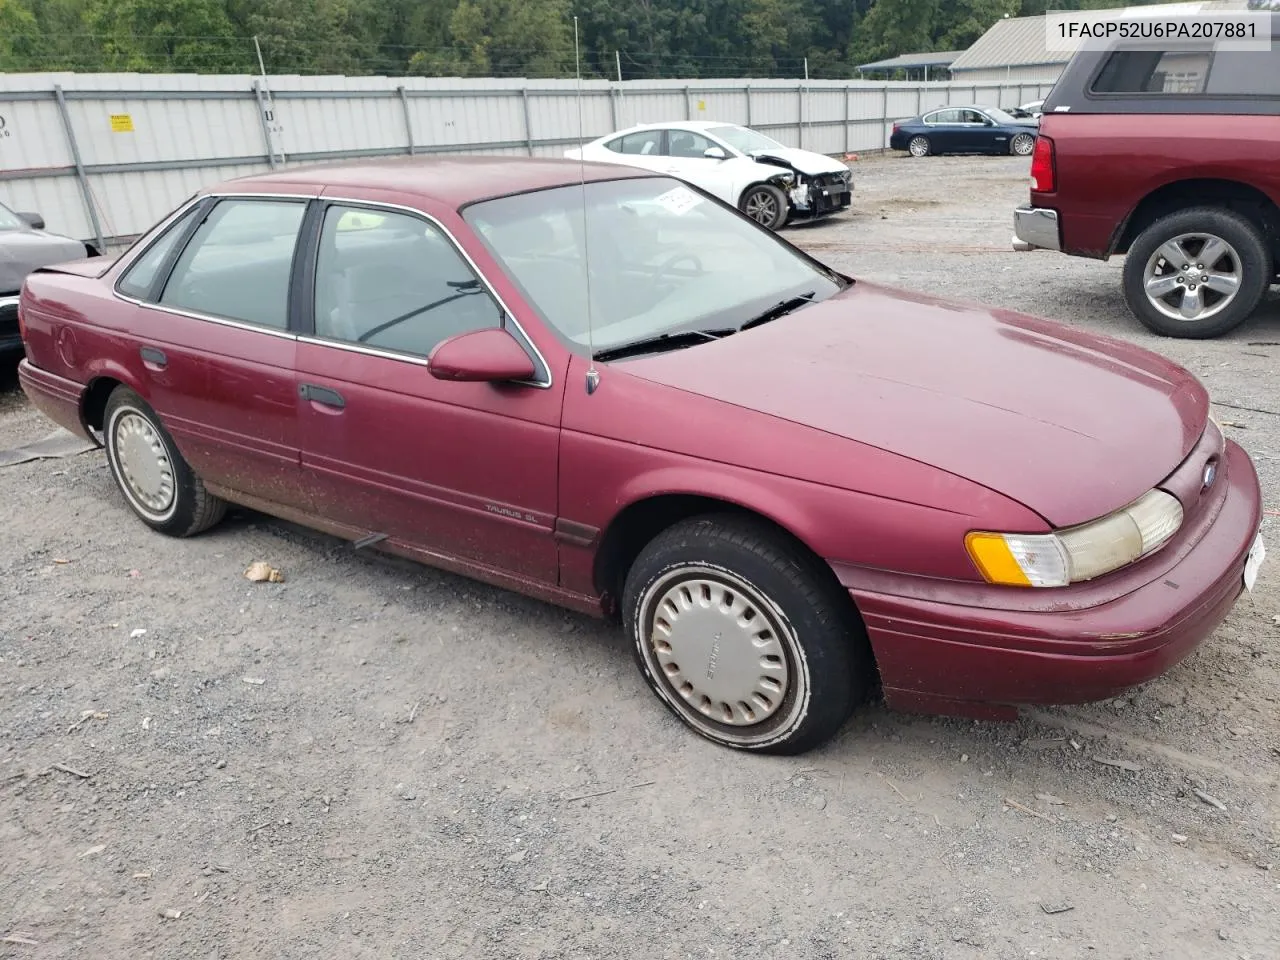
{"x": 140, "y": 278}
{"x": 398, "y": 284}
{"x": 239, "y": 262}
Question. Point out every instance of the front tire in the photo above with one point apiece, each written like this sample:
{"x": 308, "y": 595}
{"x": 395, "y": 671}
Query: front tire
{"x": 157, "y": 483}
{"x": 744, "y": 636}
{"x": 1197, "y": 273}
{"x": 766, "y": 205}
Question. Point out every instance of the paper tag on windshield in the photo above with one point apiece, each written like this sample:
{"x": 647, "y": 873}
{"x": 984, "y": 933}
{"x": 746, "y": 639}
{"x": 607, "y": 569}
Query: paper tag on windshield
{"x": 679, "y": 200}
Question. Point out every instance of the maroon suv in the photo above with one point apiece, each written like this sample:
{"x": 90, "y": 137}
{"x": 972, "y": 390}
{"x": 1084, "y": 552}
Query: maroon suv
{"x": 1173, "y": 158}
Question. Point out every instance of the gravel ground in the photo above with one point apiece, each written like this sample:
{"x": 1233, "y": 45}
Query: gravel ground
{"x": 377, "y": 760}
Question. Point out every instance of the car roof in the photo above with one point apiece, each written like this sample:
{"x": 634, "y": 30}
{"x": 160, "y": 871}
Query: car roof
{"x": 454, "y": 180}
{"x": 676, "y": 125}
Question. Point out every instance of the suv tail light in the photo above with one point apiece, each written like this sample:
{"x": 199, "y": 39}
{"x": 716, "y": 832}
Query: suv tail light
{"x": 22, "y": 325}
{"x": 1043, "y": 175}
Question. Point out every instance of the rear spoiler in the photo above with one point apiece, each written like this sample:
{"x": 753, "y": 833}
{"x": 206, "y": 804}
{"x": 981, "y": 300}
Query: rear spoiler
{"x": 92, "y": 268}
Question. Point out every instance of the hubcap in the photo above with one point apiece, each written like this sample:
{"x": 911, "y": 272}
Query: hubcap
{"x": 721, "y": 649}
{"x": 918, "y": 147}
{"x": 761, "y": 207}
{"x": 1192, "y": 276}
{"x": 145, "y": 466}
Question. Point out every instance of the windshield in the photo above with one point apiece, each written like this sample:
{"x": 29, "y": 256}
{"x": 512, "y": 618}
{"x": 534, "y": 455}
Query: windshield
{"x": 742, "y": 139}
{"x": 10, "y": 220}
{"x": 663, "y": 259}
{"x": 999, "y": 116}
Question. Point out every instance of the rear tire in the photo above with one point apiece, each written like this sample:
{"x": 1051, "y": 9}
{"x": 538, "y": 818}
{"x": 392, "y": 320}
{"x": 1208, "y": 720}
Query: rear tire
{"x": 157, "y": 483}
{"x": 744, "y": 636}
{"x": 1244, "y": 261}
{"x": 1022, "y": 145}
{"x": 919, "y": 147}
{"x": 766, "y": 205}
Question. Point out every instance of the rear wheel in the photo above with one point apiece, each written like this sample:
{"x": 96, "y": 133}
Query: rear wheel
{"x": 766, "y": 205}
{"x": 1197, "y": 273}
{"x": 919, "y": 147}
{"x": 1022, "y": 145}
{"x": 744, "y": 636}
{"x": 156, "y": 481}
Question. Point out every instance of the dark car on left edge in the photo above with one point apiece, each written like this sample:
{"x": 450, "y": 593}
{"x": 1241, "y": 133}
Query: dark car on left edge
{"x": 24, "y": 246}
{"x": 965, "y": 130}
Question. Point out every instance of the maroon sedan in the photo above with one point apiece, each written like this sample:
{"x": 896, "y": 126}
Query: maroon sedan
{"x": 603, "y": 388}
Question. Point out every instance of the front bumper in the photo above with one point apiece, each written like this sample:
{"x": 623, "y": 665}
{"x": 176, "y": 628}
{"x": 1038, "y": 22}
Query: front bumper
{"x": 819, "y": 199}
{"x": 10, "y": 335}
{"x": 1037, "y": 227}
{"x": 945, "y": 657}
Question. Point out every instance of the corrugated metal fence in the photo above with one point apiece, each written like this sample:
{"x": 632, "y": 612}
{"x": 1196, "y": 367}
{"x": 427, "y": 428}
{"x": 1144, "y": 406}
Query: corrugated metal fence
{"x": 103, "y": 156}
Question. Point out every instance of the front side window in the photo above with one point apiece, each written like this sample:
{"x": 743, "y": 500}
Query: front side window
{"x": 239, "y": 262}
{"x": 10, "y": 220}
{"x": 396, "y": 283}
{"x": 140, "y": 278}
{"x": 687, "y": 145}
{"x": 659, "y": 258}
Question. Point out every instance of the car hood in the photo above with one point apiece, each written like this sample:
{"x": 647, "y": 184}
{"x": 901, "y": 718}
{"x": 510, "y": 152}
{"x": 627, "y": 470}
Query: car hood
{"x": 805, "y": 161}
{"x": 1069, "y": 424}
{"x": 21, "y": 251}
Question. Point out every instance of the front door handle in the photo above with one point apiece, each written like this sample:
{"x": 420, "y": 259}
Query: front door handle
{"x": 322, "y": 395}
{"x": 153, "y": 358}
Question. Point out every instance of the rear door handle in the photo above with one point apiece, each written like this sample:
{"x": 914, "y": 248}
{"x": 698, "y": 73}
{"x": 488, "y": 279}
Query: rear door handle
{"x": 322, "y": 395}
{"x": 153, "y": 357}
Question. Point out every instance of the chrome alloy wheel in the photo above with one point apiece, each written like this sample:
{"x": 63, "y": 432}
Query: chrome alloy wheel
{"x": 143, "y": 466}
{"x": 725, "y": 656}
{"x": 918, "y": 147}
{"x": 1024, "y": 144}
{"x": 1192, "y": 276}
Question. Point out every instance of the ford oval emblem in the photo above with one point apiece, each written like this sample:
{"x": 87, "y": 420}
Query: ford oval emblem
{"x": 1210, "y": 471}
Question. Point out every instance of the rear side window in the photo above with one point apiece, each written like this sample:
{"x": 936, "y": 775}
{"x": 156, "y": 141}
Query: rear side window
{"x": 1180, "y": 72}
{"x": 945, "y": 116}
{"x": 141, "y": 277}
{"x": 239, "y": 262}
{"x": 646, "y": 142}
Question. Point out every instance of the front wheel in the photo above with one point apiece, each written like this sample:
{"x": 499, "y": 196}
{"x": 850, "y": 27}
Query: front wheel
{"x": 766, "y": 205}
{"x": 1197, "y": 273}
{"x": 745, "y": 637}
{"x": 156, "y": 481}
{"x": 1023, "y": 145}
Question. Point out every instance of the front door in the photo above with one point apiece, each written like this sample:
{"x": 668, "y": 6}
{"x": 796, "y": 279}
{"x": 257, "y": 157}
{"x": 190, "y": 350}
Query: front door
{"x": 686, "y": 159}
{"x": 463, "y": 470}
{"x": 215, "y": 357}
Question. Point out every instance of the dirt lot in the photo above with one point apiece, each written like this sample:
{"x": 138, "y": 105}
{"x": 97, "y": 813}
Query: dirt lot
{"x": 377, "y": 760}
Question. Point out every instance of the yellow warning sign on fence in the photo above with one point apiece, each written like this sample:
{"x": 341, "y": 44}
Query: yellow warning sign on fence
{"x": 702, "y": 104}
{"x": 121, "y": 123}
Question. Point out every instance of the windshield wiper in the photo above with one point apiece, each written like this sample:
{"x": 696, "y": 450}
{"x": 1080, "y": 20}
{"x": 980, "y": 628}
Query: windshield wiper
{"x": 663, "y": 341}
{"x": 781, "y": 308}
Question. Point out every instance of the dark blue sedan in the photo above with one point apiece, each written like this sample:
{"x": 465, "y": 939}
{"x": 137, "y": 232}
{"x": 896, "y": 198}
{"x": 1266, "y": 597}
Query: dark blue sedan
{"x": 965, "y": 130}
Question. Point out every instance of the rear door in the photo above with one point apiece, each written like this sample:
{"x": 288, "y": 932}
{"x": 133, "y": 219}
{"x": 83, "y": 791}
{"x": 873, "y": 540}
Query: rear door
{"x": 945, "y": 129}
{"x": 459, "y": 470}
{"x": 215, "y": 356}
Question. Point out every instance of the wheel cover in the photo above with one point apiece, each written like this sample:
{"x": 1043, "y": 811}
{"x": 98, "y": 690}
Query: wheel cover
{"x": 919, "y": 146}
{"x": 145, "y": 470}
{"x": 762, "y": 206}
{"x": 722, "y": 652}
{"x": 1024, "y": 144}
{"x": 1192, "y": 277}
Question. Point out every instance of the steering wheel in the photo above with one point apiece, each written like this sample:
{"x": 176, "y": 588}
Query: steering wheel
{"x": 671, "y": 261}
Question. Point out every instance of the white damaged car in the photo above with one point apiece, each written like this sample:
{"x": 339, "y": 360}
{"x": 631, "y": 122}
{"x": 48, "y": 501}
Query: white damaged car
{"x": 767, "y": 181}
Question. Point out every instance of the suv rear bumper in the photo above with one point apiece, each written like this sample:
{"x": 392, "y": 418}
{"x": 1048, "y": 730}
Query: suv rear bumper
{"x": 1037, "y": 227}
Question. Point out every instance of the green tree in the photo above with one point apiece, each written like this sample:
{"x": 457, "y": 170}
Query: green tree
{"x": 166, "y": 35}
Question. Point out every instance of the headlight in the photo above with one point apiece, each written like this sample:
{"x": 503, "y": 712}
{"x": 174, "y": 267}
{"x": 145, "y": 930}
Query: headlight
{"x": 1077, "y": 553}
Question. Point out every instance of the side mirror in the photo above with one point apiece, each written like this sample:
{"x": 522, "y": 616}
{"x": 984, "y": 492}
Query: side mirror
{"x": 34, "y": 220}
{"x": 481, "y": 356}
{"x": 715, "y": 153}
